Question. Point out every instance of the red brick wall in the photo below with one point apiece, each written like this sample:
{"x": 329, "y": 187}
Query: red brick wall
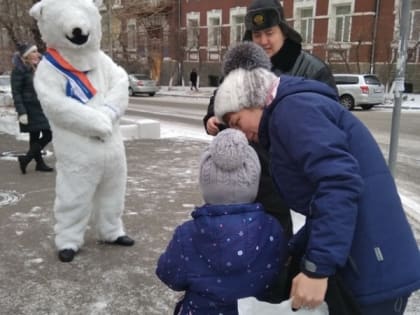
{"x": 385, "y": 31}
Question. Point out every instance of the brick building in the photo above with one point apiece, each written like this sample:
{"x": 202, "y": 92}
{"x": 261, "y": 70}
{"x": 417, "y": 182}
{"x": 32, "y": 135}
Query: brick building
{"x": 356, "y": 36}
{"x": 170, "y": 37}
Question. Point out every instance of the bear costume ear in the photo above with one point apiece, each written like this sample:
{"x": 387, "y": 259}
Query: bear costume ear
{"x": 36, "y": 10}
{"x": 98, "y": 3}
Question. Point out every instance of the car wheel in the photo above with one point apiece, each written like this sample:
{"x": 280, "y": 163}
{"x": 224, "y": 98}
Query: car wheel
{"x": 152, "y": 94}
{"x": 347, "y": 101}
{"x": 130, "y": 91}
{"x": 366, "y": 107}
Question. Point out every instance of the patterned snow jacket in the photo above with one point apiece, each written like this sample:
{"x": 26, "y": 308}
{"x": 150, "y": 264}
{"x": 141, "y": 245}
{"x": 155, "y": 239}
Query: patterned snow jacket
{"x": 226, "y": 252}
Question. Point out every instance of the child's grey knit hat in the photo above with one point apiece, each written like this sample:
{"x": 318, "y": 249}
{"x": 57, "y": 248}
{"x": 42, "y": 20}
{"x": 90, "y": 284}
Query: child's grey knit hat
{"x": 229, "y": 170}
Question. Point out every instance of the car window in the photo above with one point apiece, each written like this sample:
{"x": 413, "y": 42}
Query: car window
{"x": 339, "y": 79}
{"x": 371, "y": 79}
{"x": 141, "y": 76}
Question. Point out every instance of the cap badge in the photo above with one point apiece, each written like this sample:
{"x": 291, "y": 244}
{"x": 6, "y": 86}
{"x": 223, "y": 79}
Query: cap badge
{"x": 258, "y": 19}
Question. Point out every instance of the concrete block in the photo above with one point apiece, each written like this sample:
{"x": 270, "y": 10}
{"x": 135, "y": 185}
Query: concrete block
{"x": 8, "y": 122}
{"x": 140, "y": 129}
{"x": 129, "y": 131}
{"x": 148, "y": 129}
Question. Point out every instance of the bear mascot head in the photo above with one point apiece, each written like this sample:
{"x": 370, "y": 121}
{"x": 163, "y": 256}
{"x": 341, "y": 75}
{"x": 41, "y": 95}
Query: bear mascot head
{"x": 73, "y": 27}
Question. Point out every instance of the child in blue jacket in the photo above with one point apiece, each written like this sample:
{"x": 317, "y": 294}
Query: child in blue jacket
{"x": 232, "y": 248}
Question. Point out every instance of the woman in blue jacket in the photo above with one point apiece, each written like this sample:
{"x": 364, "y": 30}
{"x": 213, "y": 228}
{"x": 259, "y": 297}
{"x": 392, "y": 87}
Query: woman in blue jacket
{"x": 327, "y": 166}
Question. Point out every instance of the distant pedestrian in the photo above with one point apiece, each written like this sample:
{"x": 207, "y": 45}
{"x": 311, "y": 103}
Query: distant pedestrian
{"x": 232, "y": 248}
{"x": 193, "y": 79}
{"x": 30, "y": 115}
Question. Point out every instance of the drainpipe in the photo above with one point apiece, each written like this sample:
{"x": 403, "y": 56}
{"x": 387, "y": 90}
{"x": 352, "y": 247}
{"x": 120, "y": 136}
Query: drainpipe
{"x": 374, "y": 34}
{"x": 181, "y": 56}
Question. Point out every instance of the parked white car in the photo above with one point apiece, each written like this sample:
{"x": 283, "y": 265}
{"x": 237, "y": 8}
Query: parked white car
{"x": 364, "y": 90}
{"x": 141, "y": 84}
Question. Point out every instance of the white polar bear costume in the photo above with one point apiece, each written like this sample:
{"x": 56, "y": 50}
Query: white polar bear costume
{"x": 91, "y": 163}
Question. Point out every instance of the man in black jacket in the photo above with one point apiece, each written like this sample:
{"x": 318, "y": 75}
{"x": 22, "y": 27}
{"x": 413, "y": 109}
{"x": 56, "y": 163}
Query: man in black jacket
{"x": 267, "y": 27}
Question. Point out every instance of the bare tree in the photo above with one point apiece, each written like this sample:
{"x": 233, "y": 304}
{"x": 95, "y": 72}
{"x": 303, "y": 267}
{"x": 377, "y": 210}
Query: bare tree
{"x": 152, "y": 17}
{"x": 359, "y": 42}
{"x": 339, "y": 50}
{"x": 16, "y": 26}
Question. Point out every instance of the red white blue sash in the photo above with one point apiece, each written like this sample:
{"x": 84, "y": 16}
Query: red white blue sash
{"x": 78, "y": 85}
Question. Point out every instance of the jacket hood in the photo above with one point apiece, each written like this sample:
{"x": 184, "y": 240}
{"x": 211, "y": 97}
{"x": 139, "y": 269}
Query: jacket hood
{"x": 292, "y": 85}
{"x": 231, "y": 237}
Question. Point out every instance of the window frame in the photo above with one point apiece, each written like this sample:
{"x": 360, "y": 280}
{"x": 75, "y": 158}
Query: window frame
{"x": 214, "y": 31}
{"x": 332, "y": 21}
{"x": 193, "y": 33}
{"x": 237, "y": 30}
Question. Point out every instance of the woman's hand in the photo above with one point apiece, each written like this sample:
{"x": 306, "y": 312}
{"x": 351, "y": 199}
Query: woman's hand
{"x": 23, "y": 119}
{"x": 308, "y": 292}
{"x": 212, "y": 126}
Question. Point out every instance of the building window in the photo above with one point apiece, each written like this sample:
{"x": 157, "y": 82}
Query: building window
{"x": 117, "y": 4}
{"x": 342, "y": 23}
{"x": 237, "y": 28}
{"x": 415, "y": 25}
{"x": 237, "y": 24}
{"x": 131, "y": 34}
{"x": 193, "y": 30}
{"x": 304, "y": 23}
{"x": 214, "y": 29}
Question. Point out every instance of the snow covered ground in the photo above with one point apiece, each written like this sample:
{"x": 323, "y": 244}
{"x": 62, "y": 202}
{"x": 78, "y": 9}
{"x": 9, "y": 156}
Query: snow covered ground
{"x": 67, "y": 283}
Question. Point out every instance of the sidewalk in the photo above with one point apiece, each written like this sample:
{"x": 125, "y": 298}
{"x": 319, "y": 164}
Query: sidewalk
{"x": 185, "y": 91}
{"x": 162, "y": 189}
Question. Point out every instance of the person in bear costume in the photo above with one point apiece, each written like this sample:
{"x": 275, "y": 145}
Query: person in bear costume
{"x": 84, "y": 94}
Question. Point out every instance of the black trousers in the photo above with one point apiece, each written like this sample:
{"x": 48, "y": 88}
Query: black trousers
{"x": 40, "y": 137}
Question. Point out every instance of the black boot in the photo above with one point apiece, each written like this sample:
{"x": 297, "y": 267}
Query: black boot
{"x": 66, "y": 255}
{"x": 34, "y": 149}
{"x": 33, "y": 153}
{"x": 123, "y": 241}
{"x": 24, "y": 161}
{"x": 40, "y": 164}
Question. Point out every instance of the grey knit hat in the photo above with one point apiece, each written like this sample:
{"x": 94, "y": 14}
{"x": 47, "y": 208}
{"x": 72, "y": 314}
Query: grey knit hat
{"x": 229, "y": 170}
{"x": 25, "y": 49}
{"x": 248, "y": 79}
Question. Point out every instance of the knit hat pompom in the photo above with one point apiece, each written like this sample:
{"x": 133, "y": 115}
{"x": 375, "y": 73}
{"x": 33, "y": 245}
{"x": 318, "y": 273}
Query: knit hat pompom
{"x": 245, "y": 55}
{"x": 243, "y": 89}
{"x": 229, "y": 150}
{"x": 229, "y": 170}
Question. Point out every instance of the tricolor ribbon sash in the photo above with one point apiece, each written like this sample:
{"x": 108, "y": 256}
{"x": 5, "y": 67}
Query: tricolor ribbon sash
{"x": 78, "y": 85}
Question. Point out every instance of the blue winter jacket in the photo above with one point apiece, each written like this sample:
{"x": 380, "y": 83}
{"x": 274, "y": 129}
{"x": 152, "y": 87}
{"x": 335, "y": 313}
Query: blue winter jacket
{"x": 327, "y": 166}
{"x": 227, "y": 252}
